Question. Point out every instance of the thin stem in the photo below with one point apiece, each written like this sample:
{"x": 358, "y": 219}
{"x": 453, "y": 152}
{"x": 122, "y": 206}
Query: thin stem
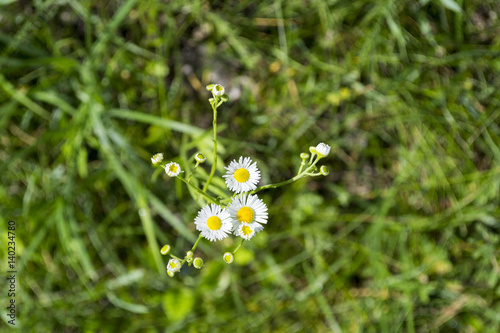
{"x": 301, "y": 166}
{"x": 214, "y": 166}
{"x": 192, "y": 171}
{"x": 197, "y": 241}
{"x": 291, "y": 180}
{"x": 238, "y": 247}
{"x": 208, "y": 197}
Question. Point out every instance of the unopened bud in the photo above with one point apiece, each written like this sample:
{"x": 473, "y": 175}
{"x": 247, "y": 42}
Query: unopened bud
{"x": 324, "y": 170}
{"x": 170, "y": 273}
{"x": 312, "y": 149}
{"x": 323, "y": 149}
{"x": 228, "y": 257}
{"x": 200, "y": 158}
{"x": 304, "y": 156}
{"x": 198, "y": 262}
{"x": 157, "y": 158}
{"x": 165, "y": 250}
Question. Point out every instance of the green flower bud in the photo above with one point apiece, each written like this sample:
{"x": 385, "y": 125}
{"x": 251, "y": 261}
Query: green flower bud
{"x": 324, "y": 170}
{"x": 200, "y": 158}
{"x": 312, "y": 149}
{"x": 228, "y": 257}
{"x": 165, "y": 250}
{"x": 198, "y": 262}
{"x": 304, "y": 156}
{"x": 171, "y": 273}
{"x": 189, "y": 254}
{"x": 210, "y": 87}
{"x": 224, "y": 98}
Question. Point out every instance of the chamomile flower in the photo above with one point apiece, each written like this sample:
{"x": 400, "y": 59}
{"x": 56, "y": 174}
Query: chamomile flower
{"x": 323, "y": 149}
{"x": 172, "y": 169}
{"x": 247, "y": 231}
{"x": 174, "y": 265}
{"x": 242, "y": 175}
{"x": 249, "y": 210}
{"x": 157, "y": 158}
{"x": 213, "y": 222}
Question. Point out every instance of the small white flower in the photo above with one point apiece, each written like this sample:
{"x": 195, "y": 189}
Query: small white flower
{"x": 172, "y": 169}
{"x": 242, "y": 176}
{"x": 157, "y": 158}
{"x": 323, "y": 149}
{"x": 213, "y": 222}
{"x": 218, "y": 90}
{"x": 174, "y": 265}
{"x": 247, "y": 230}
{"x": 248, "y": 209}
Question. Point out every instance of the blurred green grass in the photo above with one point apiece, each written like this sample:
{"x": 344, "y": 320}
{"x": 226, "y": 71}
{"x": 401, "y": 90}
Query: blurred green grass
{"x": 401, "y": 236}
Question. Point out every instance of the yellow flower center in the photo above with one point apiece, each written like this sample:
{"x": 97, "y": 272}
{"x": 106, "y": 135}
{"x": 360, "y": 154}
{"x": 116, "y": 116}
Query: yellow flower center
{"x": 245, "y": 214}
{"x": 173, "y": 265}
{"x": 214, "y": 223}
{"x": 246, "y": 230}
{"x": 241, "y": 175}
{"x": 172, "y": 168}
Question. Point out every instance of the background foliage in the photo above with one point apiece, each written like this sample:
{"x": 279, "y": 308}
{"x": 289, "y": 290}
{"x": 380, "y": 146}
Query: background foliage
{"x": 401, "y": 236}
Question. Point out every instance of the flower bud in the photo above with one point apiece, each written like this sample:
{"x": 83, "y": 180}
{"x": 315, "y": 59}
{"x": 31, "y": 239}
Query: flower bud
{"x": 323, "y": 149}
{"x": 312, "y": 149}
{"x": 157, "y": 158}
{"x": 224, "y": 98}
{"x": 165, "y": 250}
{"x": 218, "y": 90}
{"x": 200, "y": 158}
{"x": 324, "y": 170}
{"x": 228, "y": 257}
{"x": 189, "y": 254}
{"x": 171, "y": 273}
{"x": 198, "y": 262}
{"x": 210, "y": 87}
{"x": 304, "y": 156}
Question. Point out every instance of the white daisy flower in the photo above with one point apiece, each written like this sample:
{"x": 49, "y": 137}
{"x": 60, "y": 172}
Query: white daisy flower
{"x": 213, "y": 222}
{"x": 242, "y": 176}
{"x": 174, "y": 265}
{"x": 247, "y": 231}
{"x": 157, "y": 158}
{"x": 218, "y": 90}
{"x": 250, "y": 210}
{"x": 323, "y": 149}
{"x": 172, "y": 169}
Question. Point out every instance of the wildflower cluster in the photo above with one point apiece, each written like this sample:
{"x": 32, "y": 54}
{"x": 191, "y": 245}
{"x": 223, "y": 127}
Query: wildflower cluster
{"x": 243, "y": 214}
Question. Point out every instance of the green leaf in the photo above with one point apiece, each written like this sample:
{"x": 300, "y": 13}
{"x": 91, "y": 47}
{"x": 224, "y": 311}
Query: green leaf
{"x": 177, "y": 303}
{"x": 451, "y": 5}
{"x": 6, "y": 2}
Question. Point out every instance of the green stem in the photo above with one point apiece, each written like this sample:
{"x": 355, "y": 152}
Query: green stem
{"x": 291, "y": 180}
{"x": 301, "y": 166}
{"x": 208, "y": 197}
{"x": 214, "y": 166}
{"x": 197, "y": 241}
{"x": 238, "y": 247}
{"x": 192, "y": 171}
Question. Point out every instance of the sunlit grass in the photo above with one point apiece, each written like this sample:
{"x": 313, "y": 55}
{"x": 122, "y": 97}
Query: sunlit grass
{"x": 401, "y": 236}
